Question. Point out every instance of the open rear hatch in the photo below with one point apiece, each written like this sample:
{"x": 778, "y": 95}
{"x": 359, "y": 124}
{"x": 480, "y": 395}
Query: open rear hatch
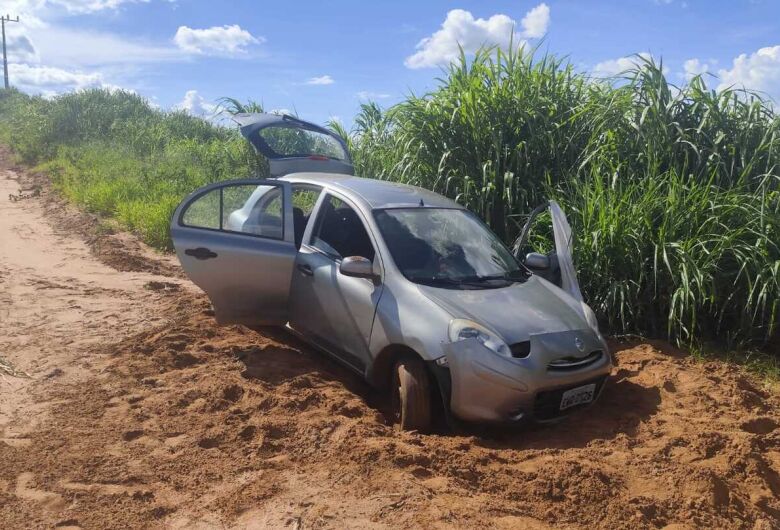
{"x": 293, "y": 146}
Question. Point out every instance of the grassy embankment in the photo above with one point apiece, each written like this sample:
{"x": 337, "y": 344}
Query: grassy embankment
{"x": 672, "y": 193}
{"x": 115, "y": 155}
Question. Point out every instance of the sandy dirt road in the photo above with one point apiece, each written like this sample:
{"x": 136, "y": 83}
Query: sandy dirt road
{"x": 139, "y": 412}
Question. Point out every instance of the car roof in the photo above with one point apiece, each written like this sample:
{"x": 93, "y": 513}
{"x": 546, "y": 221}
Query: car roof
{"x": 376, "y": 193}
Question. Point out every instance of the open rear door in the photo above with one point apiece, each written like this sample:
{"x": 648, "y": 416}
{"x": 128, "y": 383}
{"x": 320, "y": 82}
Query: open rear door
{"x": 292, "y": 145}
{"x": 235, "y": 240}
{"x": 556, "y": 265}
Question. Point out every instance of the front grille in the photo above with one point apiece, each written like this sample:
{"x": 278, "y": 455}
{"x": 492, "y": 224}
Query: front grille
{"x": 548, "y": 402}
{"x": 574, "y": 363}
{"x": 520, "y": 350}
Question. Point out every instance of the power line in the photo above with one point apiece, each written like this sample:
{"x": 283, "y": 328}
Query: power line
{"x": 3, "y": 20}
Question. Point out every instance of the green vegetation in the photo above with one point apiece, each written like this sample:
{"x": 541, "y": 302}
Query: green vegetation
{"x": 673, "y": 193}
{"x": 114, "y": 155}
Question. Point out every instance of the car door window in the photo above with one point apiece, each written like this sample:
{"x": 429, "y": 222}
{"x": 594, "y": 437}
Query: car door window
{"x": 340, "y": 231}
{"x": 242, "y": 208}
{"x": 264, "y": 219}
{"x": 304, "y": 197}
{"x": 204, "y": 211}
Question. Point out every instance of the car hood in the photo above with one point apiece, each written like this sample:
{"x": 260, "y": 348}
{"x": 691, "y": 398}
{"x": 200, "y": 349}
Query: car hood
{"x": 515, "y": 312}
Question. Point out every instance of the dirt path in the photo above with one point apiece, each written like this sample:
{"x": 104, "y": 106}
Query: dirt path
{"x": 140, "y": 412}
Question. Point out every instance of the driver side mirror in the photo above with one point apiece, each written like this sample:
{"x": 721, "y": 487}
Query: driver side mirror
{"x": 357, "y": 267}
{"x": 534, "y": 260}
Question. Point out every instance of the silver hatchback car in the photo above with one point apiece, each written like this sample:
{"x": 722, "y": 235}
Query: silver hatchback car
{"x": 404, "y": 286}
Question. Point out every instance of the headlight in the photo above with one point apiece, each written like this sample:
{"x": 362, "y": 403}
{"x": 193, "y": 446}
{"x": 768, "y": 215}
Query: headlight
{"x": 461, "y": 329}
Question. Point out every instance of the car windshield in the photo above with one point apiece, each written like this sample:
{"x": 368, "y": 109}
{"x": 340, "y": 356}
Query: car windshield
{"x": 447, "y": 247}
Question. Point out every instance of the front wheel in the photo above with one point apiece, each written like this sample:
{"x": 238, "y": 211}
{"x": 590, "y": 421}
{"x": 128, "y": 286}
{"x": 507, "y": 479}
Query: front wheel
{"x": 412, "y": 395}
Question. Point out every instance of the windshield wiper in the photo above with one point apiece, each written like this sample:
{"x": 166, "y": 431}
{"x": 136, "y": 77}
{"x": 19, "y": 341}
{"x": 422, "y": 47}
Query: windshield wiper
{"x": 480, "y": 282}
{"x": 449, "y": 282}
{"x": 432, "y": 280}
{"x": 505, "y": 276}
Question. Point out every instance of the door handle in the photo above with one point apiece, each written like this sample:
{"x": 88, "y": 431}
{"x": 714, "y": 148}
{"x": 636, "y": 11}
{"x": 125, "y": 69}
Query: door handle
{"x": 306, "y": 269}
{"x": 200, "y": 253}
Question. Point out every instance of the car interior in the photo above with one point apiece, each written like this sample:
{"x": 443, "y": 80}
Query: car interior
{"x": 342, "y": 231}
{"x": 299, "y": 225}
{"x": 264, "y": 219}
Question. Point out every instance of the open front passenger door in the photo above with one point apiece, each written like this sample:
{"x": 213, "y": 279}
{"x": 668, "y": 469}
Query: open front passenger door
{"x": 235, "y": 240}
{"x": 556, "y": 265}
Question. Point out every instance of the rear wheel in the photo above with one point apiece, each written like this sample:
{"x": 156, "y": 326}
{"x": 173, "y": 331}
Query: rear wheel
{"x": 412, "y": 395}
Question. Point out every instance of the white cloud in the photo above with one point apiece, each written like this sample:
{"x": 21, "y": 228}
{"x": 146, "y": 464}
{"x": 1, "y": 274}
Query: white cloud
{"x": 58, "y": 44}
{"x": 321, "y": 80}
{"x": 536, "y": 22}
{"x": 91, "y": 6}
{"x": 51, "y": 56}
{"x": 196, "y": 105}
{"x": 365, "y": 95}
{"x": 694, "y": 67}
{"x": 217, "y": 40}
{"x": 52, "y": 53}
{"x": 32, "y": 12}
{"x": 49, "y": 80}
{"x": 62, "y": 46}
{"x": 21, "y": 49}
{"x": 615, "y": 67}
{"x": 460, "y": 28}
{"x": 27, "y": 10}
{"x": 758, "y": 71}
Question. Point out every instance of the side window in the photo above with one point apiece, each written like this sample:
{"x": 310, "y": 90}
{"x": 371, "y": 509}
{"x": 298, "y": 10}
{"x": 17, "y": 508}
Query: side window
{"x": 303, "y": 200}
{"x": 242, "y": 208}
{"x": 264, "y": 217}
{"x": 203, "y": 212}
{"x": 340, "y": 232}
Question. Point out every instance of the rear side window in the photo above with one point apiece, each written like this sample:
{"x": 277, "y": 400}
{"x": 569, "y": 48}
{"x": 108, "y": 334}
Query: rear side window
{"x": 243, "y": 208}
{"x": 204, "y": 212}
{"x": 340, "y": 232}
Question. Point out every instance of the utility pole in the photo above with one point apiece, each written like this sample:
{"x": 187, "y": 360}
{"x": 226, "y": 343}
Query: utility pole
{"x": 3, "y": 20}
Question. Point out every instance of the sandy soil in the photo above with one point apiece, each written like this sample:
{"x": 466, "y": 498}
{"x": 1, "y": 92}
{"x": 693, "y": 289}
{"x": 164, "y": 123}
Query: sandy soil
{"x": 140, "y": 412}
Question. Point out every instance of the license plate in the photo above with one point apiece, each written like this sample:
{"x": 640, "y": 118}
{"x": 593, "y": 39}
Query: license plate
{"x": 578, "y": 396}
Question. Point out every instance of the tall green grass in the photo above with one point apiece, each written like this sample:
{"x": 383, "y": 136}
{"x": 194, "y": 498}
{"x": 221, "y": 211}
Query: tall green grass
{"x": 673, "y": 193}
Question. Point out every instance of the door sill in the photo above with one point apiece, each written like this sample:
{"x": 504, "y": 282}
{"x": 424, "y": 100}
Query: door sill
{"x": 316, "y": 344}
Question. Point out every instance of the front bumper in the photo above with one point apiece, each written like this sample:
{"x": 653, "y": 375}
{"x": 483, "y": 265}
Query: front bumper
{"x": 487, "y": 387}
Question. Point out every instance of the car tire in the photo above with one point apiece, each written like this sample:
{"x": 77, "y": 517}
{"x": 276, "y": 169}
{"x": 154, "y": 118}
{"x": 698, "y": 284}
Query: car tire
{"x": 412, "y": 395}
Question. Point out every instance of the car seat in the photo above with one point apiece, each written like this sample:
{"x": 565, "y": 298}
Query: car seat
{"x": 299, "y": 225}
{"x": 344, "y": 232}
{"x": 355, "y": 240}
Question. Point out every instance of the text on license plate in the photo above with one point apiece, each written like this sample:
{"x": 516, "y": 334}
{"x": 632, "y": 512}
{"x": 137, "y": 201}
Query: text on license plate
{"x": 578, "y": 396}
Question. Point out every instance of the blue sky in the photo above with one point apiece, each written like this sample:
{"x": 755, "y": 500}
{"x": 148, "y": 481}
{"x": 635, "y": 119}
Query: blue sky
{"x": 322, "y": 59}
